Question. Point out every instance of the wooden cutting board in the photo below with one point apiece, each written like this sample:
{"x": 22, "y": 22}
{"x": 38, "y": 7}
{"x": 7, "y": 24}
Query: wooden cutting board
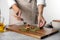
{"x": 45, "y": 32}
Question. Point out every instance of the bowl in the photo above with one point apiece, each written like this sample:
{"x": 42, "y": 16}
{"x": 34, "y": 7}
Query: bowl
{"x": 56, "y": 24}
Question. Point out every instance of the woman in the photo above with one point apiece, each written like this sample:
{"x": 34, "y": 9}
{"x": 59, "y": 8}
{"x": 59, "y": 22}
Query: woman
{"x": 28, "y": 10}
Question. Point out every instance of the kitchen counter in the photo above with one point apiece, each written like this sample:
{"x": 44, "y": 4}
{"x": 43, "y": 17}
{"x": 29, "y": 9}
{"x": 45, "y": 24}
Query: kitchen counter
{"x": 53, "y": 37}
{"x": 16, "y": 36}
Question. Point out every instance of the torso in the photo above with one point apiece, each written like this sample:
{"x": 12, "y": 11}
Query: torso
{"x": 29, "y": 10}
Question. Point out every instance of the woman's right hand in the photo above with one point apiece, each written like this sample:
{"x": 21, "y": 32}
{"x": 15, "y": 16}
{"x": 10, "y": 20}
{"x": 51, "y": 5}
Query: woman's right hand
{"x": 17, "y": 12}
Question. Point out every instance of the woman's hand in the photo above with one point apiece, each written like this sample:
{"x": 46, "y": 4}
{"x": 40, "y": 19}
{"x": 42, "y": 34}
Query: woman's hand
{"x": 17, "y": 12}
{"x": 41, "y": 21}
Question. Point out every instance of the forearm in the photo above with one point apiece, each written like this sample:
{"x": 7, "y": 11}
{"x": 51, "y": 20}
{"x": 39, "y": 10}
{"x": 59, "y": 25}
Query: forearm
{"x": 17, "y": 11}
{"x": 15, "y": 8}
{"x": 40, "y": 10}
{"x": 41, "y": 20}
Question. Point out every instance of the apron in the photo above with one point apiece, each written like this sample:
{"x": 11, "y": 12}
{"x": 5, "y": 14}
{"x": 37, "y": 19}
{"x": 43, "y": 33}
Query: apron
{"x": 29, "y": 11}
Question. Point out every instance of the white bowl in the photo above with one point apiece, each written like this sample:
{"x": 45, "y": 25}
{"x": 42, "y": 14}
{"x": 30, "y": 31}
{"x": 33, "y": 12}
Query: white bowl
{"x": 56, "y": 24}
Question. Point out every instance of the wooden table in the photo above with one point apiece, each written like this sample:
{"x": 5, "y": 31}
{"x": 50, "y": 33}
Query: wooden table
{"x": 45, "y": 32}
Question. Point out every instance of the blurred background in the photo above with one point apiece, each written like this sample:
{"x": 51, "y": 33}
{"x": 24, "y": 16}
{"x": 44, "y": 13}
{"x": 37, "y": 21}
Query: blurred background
{"x": 4, "y": 11}
{"x": 51, "y": 11}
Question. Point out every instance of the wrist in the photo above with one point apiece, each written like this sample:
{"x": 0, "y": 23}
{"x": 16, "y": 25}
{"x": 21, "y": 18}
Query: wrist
{"x": 15, "y": 8}
{"x": 40, "y": 15}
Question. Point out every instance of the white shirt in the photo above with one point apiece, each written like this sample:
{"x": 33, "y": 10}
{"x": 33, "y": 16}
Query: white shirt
{"x": 12, "y": 2}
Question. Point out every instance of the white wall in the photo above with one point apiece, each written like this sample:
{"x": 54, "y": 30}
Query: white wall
{"x": 4, "y": 11}
{"x": 51, "y": 11}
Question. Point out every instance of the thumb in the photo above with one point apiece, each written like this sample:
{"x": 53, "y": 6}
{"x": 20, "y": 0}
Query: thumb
{"x": 19, "y": 14}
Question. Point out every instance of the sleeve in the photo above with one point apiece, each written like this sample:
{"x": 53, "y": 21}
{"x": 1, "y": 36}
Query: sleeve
{"x": 10, "y": 3}
{"x": 40, "y": 2}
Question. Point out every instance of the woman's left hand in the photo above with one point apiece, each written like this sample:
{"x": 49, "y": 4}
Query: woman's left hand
{"x": 41, "y": 21}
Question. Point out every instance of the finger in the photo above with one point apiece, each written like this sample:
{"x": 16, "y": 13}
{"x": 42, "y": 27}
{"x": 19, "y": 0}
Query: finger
{"x": 19, "y": 14}
{"x": 15, "y": 15}
{"x": 38, "y": 24}
{"x": 42, "y": 23}
{"x": 21, "y": 19}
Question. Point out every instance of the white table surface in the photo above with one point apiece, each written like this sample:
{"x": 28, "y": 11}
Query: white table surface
{"x": 15, "y": 36}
